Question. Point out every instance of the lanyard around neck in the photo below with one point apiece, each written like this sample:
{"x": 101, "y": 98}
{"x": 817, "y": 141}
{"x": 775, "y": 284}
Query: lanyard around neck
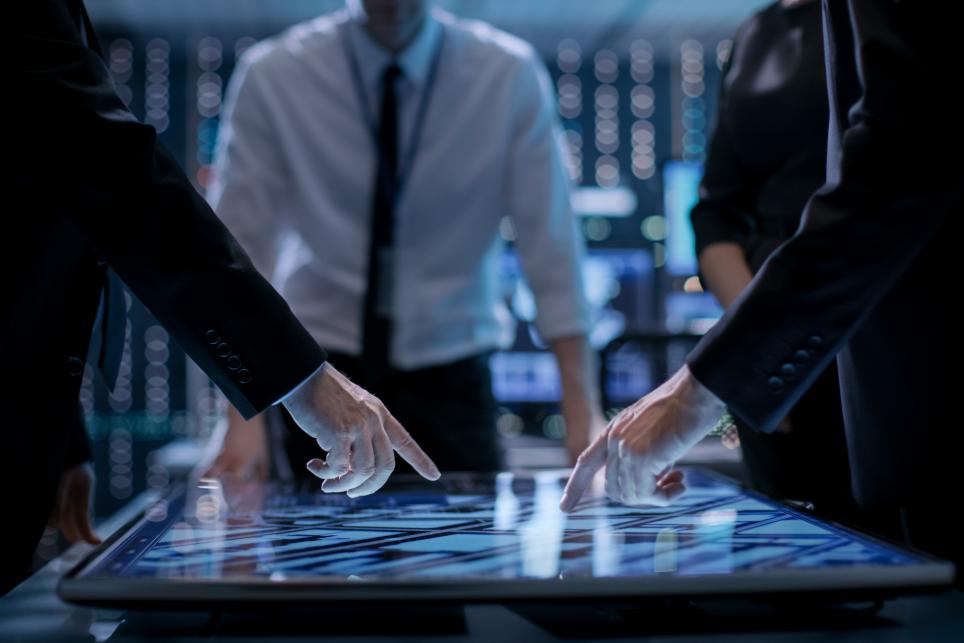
{"x": 408, "y": 159}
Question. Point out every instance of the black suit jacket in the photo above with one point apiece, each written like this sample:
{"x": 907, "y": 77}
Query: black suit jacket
{"x": 867, "y": 273}
{"x": 88, "y": 186}
{"x": 98, "y": 189}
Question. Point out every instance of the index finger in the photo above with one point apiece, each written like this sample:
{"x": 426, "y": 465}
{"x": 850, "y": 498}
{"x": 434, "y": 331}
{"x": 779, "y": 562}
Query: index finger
{"x": 406, "y": 447}
{"x": 590, "y": 461}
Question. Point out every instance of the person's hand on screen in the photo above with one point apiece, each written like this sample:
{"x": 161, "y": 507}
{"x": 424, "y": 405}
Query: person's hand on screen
{"x": 359, "y": 434}
{"x": 243, "y": 451}
{"x": 641, "y": 444}
{"x": 72, "y": 506}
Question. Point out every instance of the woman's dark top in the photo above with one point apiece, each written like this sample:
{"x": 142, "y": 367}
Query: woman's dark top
{"x": 767, "y": 156}
{"x": 768, "y": 152}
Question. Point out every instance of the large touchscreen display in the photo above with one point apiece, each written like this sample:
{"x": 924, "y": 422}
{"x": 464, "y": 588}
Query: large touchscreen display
{"x": 509, "y": 528}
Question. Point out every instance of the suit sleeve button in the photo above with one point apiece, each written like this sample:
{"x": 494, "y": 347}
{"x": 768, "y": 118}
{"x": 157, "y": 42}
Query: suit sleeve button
{"x": 234, "y": 362}
{"x": 223, "y": 349}
{"x": 801, "y": 356}
{"x": 244, "y": 376}
{"x": 788, "y": 370}
{"x": 776, "y": 384}
{"x": 75, "y": 366}
{"x": 815, "y": 341}
{"x": 212, "y": 337}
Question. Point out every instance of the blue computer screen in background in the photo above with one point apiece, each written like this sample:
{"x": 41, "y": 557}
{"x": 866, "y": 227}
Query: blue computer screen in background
{"x": 686, "y": 307}
{"x": 681, "y": 182}
{"x": 619, "y": 286}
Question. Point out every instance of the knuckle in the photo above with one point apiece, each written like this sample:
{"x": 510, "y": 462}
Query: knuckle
{"x": 404, "y": 440}
{"x": 373, "y": 409}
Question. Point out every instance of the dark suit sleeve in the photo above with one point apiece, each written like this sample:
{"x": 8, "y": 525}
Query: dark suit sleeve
{"x": 724, "y": 211}
{"x": 111, "y": 180}
{"x": 78, "y": 449}
{"x": 884, "y": 201}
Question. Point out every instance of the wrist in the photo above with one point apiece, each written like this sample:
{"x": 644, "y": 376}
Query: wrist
{"x": 303, "y": 391}
{"x": 699, "y": 398}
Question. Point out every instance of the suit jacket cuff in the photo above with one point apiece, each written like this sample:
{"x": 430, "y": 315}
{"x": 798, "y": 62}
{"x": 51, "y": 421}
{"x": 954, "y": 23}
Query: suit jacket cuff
{"x": 759, "y": 372}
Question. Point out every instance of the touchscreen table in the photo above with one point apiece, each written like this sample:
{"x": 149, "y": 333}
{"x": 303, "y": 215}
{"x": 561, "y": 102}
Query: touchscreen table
{"x": 499, "y": 538}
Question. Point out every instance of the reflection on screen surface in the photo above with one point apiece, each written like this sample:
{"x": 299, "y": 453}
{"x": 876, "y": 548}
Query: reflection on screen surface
{"x": 515, "y": 532}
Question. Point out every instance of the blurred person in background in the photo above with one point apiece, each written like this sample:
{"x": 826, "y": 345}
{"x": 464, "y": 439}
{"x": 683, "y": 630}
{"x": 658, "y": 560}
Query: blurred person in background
{"x": 390, "y": 140}
{"x": 864, "y": 279}
{"x": 767, "y": 155}
{"x": 97, "y": 190}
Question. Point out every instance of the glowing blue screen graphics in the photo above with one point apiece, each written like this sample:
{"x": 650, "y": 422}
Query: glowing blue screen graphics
{"x": 510, "y": 529}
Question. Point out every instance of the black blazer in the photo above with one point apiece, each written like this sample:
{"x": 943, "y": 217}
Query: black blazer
{"x": 95, "y": 188}
{"x": 88, "y": 186}
{"x": 866, "y": 276}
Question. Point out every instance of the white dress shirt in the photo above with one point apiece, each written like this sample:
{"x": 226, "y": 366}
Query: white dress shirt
{"x": 296, "y": 164}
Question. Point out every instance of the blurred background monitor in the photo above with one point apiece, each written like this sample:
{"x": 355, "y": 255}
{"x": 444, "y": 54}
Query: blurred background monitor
{"x": 681, "y": 181}
{"x": 687, "y": 308}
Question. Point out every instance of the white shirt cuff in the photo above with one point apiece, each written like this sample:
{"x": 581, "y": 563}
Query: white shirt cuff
{"x": 303, "y": 382}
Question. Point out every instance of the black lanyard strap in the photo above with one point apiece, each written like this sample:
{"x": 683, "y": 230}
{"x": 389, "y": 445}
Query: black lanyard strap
{"x": 408, "y": 160}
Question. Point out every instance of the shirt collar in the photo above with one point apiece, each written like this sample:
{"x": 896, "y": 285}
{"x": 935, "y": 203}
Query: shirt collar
{"x": 414, "y": 61}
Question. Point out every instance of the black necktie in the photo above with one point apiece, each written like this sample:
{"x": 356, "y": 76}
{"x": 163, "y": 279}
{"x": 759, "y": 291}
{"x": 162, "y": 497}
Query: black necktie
{"x": 376, "y": 334}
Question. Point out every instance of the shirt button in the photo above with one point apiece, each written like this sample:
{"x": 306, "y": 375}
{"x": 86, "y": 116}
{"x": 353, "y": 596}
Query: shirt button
{"x": 212, "y": 337}
{"x": 234, "y": 362}
{"x": 101, "y": 262}
{"x": 776, "y": 384}
{"x": 801, "y": 357}
{"x": 244, "y": 376}
{"x": 223, "y": 349}
{"x": 75, "y": 366}
{"x": 815, "y": 341}
{"x": 788, "y": 371}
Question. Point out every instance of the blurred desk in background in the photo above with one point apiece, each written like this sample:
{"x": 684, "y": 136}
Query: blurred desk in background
{"x": 179, "y": 457}
{"x": 533, "y": 452}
